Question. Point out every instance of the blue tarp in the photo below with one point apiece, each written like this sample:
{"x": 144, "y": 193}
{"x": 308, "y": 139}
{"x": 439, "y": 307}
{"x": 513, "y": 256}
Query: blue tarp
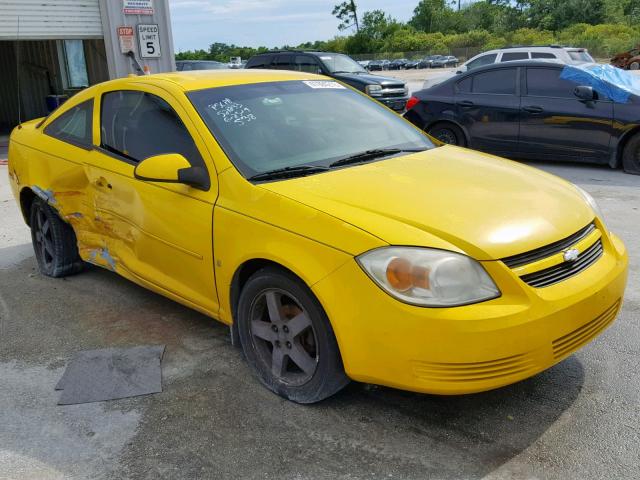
{"x": 615, "y": 83}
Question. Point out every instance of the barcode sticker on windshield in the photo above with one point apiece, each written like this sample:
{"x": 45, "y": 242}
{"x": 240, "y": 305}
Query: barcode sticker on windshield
{"x": 322, "y": 84}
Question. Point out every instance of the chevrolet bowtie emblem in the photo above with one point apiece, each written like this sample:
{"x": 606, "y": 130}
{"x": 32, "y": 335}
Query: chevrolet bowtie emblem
{"x": 571, "y": 255}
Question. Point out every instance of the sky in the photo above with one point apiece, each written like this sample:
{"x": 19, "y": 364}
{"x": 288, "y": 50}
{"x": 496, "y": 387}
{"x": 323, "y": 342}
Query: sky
{"x": 271, "y": 23}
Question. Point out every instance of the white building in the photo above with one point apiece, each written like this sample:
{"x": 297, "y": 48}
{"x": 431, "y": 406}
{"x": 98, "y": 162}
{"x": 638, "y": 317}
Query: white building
{"x": 57, "y": 47}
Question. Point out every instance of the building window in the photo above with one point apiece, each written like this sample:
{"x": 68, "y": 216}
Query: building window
{"x": 75, "y": 65}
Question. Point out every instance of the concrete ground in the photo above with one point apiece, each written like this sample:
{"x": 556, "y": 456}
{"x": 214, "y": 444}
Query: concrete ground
{"x": 578, "y": 420}
{"x": 415, "y": 78}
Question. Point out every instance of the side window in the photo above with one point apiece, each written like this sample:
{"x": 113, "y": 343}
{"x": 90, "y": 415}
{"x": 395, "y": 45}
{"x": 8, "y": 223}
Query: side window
{"x": 542, "y": 55}
{"x": 137, "y": 125}
{"x": 546, "y": 82}
{"x": 484, "y": 60}
{"x": 306, "y": 63}
{"x": 497, "y": 82}
{"x": 74, "y": 125}
{"x": 511, "y": 56}
{"x": 262, "y": 61}
{"x": 186, "y": 66}
{"x": 283, "y": 62}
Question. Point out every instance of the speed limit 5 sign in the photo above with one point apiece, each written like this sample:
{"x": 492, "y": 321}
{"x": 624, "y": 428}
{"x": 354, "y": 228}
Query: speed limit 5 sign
{"x": 149, "y": 40}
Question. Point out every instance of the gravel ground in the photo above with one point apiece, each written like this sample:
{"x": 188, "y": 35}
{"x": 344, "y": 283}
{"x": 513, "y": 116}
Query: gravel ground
{"x": 578, "y": 420}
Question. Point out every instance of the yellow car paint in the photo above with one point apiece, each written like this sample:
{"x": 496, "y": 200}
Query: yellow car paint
{"x": 190, "y": 244}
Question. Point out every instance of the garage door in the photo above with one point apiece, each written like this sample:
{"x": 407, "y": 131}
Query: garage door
{"x": 50, "y": 19}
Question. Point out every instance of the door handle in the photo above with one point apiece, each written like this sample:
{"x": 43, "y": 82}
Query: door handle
{"x": 465, "y": 103}
{"x": 102, "y": 183}
{"x": 533, "y": 109}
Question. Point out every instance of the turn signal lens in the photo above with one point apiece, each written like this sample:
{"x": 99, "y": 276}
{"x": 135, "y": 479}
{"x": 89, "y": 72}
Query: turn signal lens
{"x": 402, "y": 275}
{"x": 399, "y": 274}
{"x": 412, "y": 102}
{"x": 428, "y": 277}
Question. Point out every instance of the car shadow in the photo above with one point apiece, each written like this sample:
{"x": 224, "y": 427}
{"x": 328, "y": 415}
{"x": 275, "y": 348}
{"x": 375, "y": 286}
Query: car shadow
{"x": 215, "y": 420}
{"x": 468, "y": 436}
{"x": 586, "y": 174}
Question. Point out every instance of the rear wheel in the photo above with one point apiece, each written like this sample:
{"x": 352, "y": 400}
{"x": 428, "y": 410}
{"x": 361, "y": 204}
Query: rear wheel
{"x": 287, "y": 338}
{"x": 631, "y": 155}
{"x": 54, "y": 242}
{"x": 448, "y": 133}
{"x": 634, "y": 65}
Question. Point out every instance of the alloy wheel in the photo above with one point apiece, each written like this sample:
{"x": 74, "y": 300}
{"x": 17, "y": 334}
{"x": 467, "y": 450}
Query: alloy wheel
{"x": 44, "y": 239}
{"x": 284, "y": 337}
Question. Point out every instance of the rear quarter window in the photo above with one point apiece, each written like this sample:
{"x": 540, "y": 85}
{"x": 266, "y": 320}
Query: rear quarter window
{"x": 74, "y": 126}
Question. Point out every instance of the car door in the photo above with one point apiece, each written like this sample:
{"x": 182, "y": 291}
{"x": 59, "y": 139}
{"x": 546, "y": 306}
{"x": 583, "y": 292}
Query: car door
{"x": 488, "y": 107}
{"x": 556, "y": 124}
{"x": 158, "y": 234}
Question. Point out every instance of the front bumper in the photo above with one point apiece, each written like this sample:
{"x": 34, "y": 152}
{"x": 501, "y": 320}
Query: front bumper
{"x": 476, "y": 347}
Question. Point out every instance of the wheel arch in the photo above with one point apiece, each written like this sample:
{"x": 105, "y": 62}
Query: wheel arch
{"x": 239, "y": 279}
{"x": 27, "y": 195}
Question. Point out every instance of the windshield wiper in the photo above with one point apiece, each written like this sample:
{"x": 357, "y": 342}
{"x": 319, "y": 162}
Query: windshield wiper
{"x": 288, "y": 172}
{"x": 372, "y": 155}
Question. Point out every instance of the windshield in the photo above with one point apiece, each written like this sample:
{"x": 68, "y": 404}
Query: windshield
{"x": 341, "y": 64}
{"x": 267, "y": 126}
{"x": 580, "y": 56}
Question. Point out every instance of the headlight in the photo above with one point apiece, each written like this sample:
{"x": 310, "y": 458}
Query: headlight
{"x": 428, "y": 277}
{"x": 373, "y": 90}
{"x": 592, "y": 203}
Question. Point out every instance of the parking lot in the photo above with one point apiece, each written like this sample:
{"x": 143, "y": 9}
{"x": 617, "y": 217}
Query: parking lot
{"x": 579, "y": 419}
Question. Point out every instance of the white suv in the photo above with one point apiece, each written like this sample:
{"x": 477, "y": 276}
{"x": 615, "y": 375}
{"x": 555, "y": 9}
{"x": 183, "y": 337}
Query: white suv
{"x": 549, "y": 53}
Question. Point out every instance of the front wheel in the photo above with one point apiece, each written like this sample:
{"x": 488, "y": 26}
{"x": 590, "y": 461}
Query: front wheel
{"x": 634, "y": 65}
{"x": 287, "y": 338}
{"x": 448, "y": 133}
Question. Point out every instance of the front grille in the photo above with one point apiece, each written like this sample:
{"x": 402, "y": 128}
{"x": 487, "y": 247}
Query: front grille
{"x": 393, "y": 91}
{"x": 473, "y": 372}
{"x": 574, "y": 340}
{"x": 548, "y": 250}
{"x": 558, "y": 273}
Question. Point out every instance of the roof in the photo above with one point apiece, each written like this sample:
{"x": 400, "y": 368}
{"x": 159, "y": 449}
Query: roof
{"x": 201, "y": 79}
{"x": 516, "y": 63}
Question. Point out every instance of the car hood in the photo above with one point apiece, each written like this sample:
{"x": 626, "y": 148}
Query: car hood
{"x": 368, "y": 79}
{"x": 447, "y": 197}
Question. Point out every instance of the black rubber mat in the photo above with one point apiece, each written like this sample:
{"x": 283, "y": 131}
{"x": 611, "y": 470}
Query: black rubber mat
{"x": 111, "y": 373}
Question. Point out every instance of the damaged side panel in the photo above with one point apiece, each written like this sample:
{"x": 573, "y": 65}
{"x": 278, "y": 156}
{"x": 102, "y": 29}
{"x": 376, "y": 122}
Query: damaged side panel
{"x": 58, "y": 179}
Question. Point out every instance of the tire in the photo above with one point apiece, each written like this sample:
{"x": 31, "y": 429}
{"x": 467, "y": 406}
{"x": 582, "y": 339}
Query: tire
{"x": 631, "y": 155}
{"x": 54, "y": 242}
{"x": 448, "y": 133}
{"x": 287, "y": 339}
{"x": 634, "y": 65}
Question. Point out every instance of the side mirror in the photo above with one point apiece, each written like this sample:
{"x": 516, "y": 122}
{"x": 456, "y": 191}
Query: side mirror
{"x": 584, "y": 93}
{"x": 172, "y": 168}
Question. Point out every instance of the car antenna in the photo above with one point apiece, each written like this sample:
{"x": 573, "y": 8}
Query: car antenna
{"x": 18, "y": 73}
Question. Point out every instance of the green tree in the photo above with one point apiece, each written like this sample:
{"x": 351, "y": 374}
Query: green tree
{"x": 425, "y": 15}
{"x": 347, "y": 13}
{"x": 377, "y": 24}
{"x": 556, "y": 15}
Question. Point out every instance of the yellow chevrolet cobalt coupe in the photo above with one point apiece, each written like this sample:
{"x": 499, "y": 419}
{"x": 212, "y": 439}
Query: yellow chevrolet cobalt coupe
{"x": 337, "y": 240}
